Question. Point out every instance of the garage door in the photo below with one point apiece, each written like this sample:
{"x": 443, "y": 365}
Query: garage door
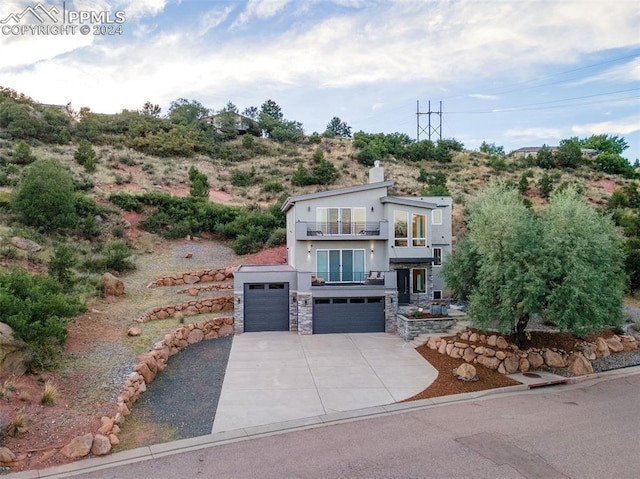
{"x": 348, "y": 315}
{"x": 266, "y": 307}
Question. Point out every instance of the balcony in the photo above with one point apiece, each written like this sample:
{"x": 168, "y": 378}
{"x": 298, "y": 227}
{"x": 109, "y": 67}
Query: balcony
{"x": 354, "y": 278}
{"x": 375, "y": 230}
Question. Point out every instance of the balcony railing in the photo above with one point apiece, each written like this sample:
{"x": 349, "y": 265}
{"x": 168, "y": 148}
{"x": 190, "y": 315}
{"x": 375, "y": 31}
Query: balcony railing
{"x": 336, "y": 278}
{"x": 340, "y": 229}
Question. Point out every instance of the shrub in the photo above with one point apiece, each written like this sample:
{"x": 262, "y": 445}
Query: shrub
{"x": 242, "y": 177}
{"x": 116, "y": 257}
{"x": 49, "y": 394}
{"x": 545, "y": 185}
{"x": 45, "y": 197}
{"x": 199, "y": 183}
{"x": 36, "y": 308}
{"x": 125, "y": 201}
{"x": 22, "y": 154}
{"x": 85, "y": 155}
{"x": 60, "y": 265}
{"x": 278, "y": 237}
{"x": 273, "y": 186}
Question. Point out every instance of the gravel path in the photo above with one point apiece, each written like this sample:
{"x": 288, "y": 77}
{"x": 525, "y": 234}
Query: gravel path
{"x": 185, "y": 395}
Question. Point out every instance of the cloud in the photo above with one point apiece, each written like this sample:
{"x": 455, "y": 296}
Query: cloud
{"x": 480, "y": 96}
{"x": 260, "y": 9}
{"x": 213, "y": 18}
{"x": 622, "y": 126}
{"x": 534, "y": 133}
{"x": 377, "y": 106}
{"x": 628, "y": 72}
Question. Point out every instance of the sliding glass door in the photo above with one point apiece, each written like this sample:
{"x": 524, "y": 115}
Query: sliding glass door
{"x": 341, "y": 265}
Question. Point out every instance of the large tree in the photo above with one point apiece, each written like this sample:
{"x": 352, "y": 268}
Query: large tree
{"x": 338, "y": 128}
{"x": 185, "y": 112}
{"x": 566, "y": 265}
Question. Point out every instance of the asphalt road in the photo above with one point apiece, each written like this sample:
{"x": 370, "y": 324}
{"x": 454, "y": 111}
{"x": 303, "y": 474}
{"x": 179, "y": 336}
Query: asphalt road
{"x": 588, "y": 430}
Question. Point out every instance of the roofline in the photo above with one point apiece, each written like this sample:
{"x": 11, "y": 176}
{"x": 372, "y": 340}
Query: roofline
{"x": 291, "y": 200}
{"x": 396, "y": 200}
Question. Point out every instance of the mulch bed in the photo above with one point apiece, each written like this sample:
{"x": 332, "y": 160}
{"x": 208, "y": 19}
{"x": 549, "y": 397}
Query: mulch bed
{"x": 446, "y": 384}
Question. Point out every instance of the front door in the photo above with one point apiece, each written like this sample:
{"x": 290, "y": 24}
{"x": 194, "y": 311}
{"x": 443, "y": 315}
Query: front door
{"x": 403, "y": 286}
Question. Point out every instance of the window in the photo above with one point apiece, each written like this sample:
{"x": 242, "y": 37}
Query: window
{"x": 419, "y": 230}
{"x": 419, "y": 280}
{"x": 340, "y": 221}
{"x": 437, "y": 254}
{"x": 437, "y": 295}
{"x": 436, "y": 217}
{"x": 400, "y": 221}
{"x": 341, "y": 265}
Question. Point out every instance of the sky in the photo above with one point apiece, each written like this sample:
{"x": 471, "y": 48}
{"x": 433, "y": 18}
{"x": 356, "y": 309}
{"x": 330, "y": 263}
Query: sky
{"x": 511, "y": 72}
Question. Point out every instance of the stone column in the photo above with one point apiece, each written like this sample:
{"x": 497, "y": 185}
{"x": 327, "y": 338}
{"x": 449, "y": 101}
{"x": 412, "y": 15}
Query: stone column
{"x": 390, "y": 311}
{"x": 238, "y": 312}
{"x": 293, "y": 311}
{"x": 305, "y": 313}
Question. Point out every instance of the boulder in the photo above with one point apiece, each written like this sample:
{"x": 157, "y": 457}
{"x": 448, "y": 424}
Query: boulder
{"x": 502, "y": 343}
{"x": 469, "y": 356}
{"x": 489, "y": 362}
{"x": 111, "y": 285}
{"x": 113, "y": 439}
{"x": 107, "y": 425}
{"x": 535, "y": 360}
{"x": 492, "y": 340}
{"x": 195, "y": 336}
{"x": 511, "y": 364}
{"x": 134, "y": 331}
{"x": 553, "y": 359}
{"x": 6, "y": 456}
{"x": 578, "y": 365}
{"x": 588, "y": 350}
{"x": 191, "y": 279}
{"x": 524, "y": 365}
{"x": 465, "y": 372}
{"x": 602, "y": 349}
{"x": 101, "y": 445}
{"x": 25, "y": 244}
{"x": 473, "y": 337}
{"x": 431, "y": 343}
{"x": 614, "y": 345}
{"x": 79, "y": 446}
{"x": 629, "y": 343}
{"x": 15, "y": 355}
{"x": 501, "y": 355}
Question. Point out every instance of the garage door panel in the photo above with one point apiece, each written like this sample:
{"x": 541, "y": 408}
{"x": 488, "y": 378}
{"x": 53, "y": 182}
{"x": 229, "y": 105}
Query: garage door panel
{"x": 348, "y": 315}
{"x": 266, "y": 307}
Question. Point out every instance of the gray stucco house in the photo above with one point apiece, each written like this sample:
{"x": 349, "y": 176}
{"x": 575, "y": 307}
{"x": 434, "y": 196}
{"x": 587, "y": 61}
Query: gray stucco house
{"x": 353, "y": 255}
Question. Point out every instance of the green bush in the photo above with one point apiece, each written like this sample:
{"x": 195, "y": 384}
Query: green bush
{"x": 125, "y": 201}
{"x": 243, "y": 177}
{"x": 199, "y": 183}
{"x": 85, "y": 155}
{"x": 278, "y": 237}
{"x": 45, "y": 197}
{"x": 61, "y": 264}
{"x": 273, "y": 186}
{"x": 22, "y": 154}
{"x": 36, "y": 309}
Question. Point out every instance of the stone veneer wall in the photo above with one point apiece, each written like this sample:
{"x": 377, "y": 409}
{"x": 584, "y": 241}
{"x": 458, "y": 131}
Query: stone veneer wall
{"x": 409, "y": 328}
{"x": 305, "y": 313}
{"x": 390, "y": 311}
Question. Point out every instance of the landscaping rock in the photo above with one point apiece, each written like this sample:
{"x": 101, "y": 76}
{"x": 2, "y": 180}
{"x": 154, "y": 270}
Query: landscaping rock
{"x": 602, "y": 349}
{"x": 15, "y": 355}
{"x": 101, "y": 445}
{"x": 511, "y": 364}
{"x": 524, "y": 365}
{"x": 469, "y": 356}
{"x": 489, "y": 362}
{"x": 578, "y": 365}
{"x": 78, "y": 447}
{"x": 25, "y": 244}
{"x": 6, "y": 455}
{"x": 501, "y": 343}
{"x": 111, "y": 285}
{"x": 588, "y": 350}
{"x": 553, "y": 359}
{"x": 465, "y": 372}
{"x": 134, "y": 331}
{"x": 614, "y": 345}
{"x": 492, "y": 340}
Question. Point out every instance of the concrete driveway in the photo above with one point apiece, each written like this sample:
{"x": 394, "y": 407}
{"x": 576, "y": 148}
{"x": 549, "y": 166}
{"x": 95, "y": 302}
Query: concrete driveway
{"x": 281, "y": 376}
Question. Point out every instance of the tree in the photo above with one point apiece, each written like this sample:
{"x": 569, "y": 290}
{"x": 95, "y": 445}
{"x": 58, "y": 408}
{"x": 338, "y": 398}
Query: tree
{"x": 45, "y": 196}
{"x": 545, "y": 185}
{"x": 605, "y": 143}
{"x": 150, "y": 109}
{"x": 582, "y": 263}
{"x": 338, "y": 128}
{"x": 22, "y": 154}
{"x": 614, "y": 164}
{"x": 199, "y": 183}
{"x": 523, "y": 184}
{"x": 544, "y": 158}
{"x": 185, "y": 112}
{"x": 513, "y": 265}
{"x": 491, "y": 149}
{"x": 60, "y": 265}
{"x": 569, "y": 153}
{"x": 287, "y": 131}
{"x": 85, "y": 155}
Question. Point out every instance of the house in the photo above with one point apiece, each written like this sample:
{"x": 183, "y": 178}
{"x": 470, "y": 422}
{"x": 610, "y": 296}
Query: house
{"x": 229, "y": 121}
{"x": 530, "y": 151}
{"x": 353, "y": 255}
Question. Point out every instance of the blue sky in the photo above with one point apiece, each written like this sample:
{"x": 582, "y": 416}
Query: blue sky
{"x": 516, "y": 73}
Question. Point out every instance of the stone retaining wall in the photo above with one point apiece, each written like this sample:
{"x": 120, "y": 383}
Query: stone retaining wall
{"x": 409, "y": 328}
{"x": 193, "y": 277}
{"x": 494, "y": 352}
{"x": 147, "y": 366}
{"x": 189, "y": 308}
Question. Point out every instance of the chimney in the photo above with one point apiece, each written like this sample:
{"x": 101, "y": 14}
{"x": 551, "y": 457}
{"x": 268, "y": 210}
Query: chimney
{"x": 376, "y": 174}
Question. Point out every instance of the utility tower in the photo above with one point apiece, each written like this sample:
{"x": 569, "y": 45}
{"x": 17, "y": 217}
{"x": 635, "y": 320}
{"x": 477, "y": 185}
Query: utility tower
{"x": 430, "y": 129}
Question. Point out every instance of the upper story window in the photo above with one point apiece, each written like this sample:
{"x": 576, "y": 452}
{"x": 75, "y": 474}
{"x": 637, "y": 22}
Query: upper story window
{"x": 400, "y": 230}
{"x": 341, "y": 221}
{"x": 419, "y": 230}
{"x": 437, "y": 255}
{"x": 436, "y": 217}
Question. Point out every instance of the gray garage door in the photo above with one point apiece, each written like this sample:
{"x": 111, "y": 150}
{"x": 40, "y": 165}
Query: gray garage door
{"x": 348, "y": 315}
{"x": 266, "y": 307}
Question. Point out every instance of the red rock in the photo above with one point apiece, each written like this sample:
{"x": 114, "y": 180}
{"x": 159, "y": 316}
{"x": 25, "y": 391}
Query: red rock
{"x": 614, "y": 345}
{"x": 101, "y": 445}
{"x": 188, "y": 255}
{"x": 225, "y": 330}
{"x": 469, "y": 356}
{"x": 578, "y": 365}
{"x": 195, "y": 336}
{"x": 78, "y": 447}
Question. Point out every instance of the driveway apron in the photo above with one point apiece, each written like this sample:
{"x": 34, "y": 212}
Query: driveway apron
{"x": 281, "y": 376}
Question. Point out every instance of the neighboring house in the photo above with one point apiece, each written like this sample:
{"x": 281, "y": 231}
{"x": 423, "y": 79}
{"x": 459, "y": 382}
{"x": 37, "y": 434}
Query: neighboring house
{"x": 353, "y": 255}
{"x": 530, "y": 150}
{"x": 228, "y": 120}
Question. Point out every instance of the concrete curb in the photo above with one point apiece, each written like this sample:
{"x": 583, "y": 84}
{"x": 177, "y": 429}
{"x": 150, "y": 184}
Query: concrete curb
{"x": 221, "y": 438}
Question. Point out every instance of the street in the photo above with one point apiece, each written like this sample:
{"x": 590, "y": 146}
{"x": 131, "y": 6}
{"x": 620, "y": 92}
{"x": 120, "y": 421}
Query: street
{"x": 587, "y": 430}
